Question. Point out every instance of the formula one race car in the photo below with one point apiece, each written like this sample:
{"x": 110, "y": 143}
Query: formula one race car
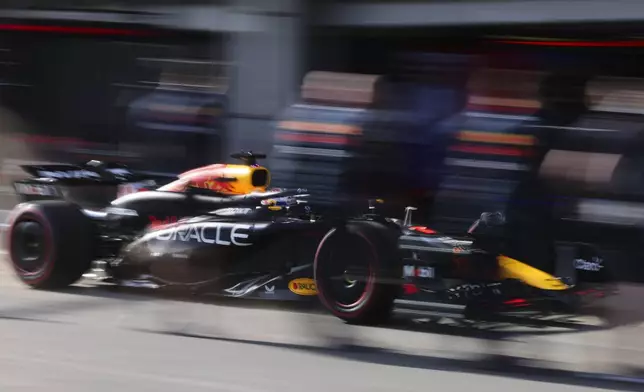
{"x": 218, "y": 230}
{"x": 416, "y": 271}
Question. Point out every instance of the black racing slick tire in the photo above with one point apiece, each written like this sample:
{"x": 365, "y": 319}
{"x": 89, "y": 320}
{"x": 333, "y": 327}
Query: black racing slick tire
{"x": 49, "y": 244}
{"x": 354, "y": 266}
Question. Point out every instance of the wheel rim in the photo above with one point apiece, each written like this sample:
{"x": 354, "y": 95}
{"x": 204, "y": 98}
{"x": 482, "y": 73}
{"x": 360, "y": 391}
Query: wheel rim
{"x": 29, "y": 246}
{"x": 348, "y": 275}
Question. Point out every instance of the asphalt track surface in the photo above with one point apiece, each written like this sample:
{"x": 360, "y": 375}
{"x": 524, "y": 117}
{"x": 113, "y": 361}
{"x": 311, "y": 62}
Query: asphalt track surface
{"x": 101, "y": 339}
{"x": 59, "y": 357}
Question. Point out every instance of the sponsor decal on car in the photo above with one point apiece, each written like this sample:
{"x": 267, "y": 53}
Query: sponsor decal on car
{"x": 156, "y": 222}
{"x": 234, "y": 211}
{"x": 129, "y": 188}
{"x": 218, "y": 233}
{"x": 418, "y": 272}
{"x": 303, "y": 286}
{"x": 594, "y": 265}
{"x": 36, "y": 189}
{"x": 68, "y": 174}
{"x": 268, "y": 202}
{"x": 454, "y": 242}
{"x": 458, "y": 249}
{"x": 467, "y": 291}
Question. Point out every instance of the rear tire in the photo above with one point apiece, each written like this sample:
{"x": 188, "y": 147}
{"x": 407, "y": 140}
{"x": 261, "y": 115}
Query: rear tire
{"x": 50, "y": 244}
{"x": 370, "y": 248}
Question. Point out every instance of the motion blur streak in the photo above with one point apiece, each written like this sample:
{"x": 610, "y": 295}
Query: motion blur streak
{"x": 370, "y": 107}
{"x": 72, "y": 30}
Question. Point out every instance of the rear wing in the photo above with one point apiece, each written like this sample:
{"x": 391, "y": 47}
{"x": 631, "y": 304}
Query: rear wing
{"x": 64, "y": 172}
{"x": 92, "y": 185}
{"x": 93, "y": 173}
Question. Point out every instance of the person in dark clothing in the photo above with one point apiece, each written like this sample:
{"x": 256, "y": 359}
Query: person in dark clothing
{"x": 530, "y": 213}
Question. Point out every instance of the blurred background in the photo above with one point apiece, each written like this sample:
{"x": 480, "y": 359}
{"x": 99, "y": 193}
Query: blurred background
{"x": 531, "y": 107}
{"x": 443, "y": 105}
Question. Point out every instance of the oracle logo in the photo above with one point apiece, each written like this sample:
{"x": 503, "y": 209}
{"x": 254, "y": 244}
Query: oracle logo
{"x": 217, "y": 233}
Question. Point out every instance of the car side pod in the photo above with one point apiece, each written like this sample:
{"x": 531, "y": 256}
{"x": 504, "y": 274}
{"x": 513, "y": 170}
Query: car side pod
{"x": 510, "y": 268}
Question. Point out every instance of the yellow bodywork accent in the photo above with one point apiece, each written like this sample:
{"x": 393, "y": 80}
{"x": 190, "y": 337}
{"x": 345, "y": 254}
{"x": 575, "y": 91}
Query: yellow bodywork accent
{"x": 243, "y": 175}
{"x": 222, "y": 178}
{"x": 514, "y": 269}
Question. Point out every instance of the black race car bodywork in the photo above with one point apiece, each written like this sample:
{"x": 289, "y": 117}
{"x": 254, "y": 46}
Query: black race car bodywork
{"x": 92, "y": 185}
{"x": 274, "y": 245}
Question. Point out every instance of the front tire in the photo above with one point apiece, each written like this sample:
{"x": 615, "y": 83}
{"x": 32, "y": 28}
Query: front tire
{"x": 49, "y": 244}
{"x": 354, "y": 266}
